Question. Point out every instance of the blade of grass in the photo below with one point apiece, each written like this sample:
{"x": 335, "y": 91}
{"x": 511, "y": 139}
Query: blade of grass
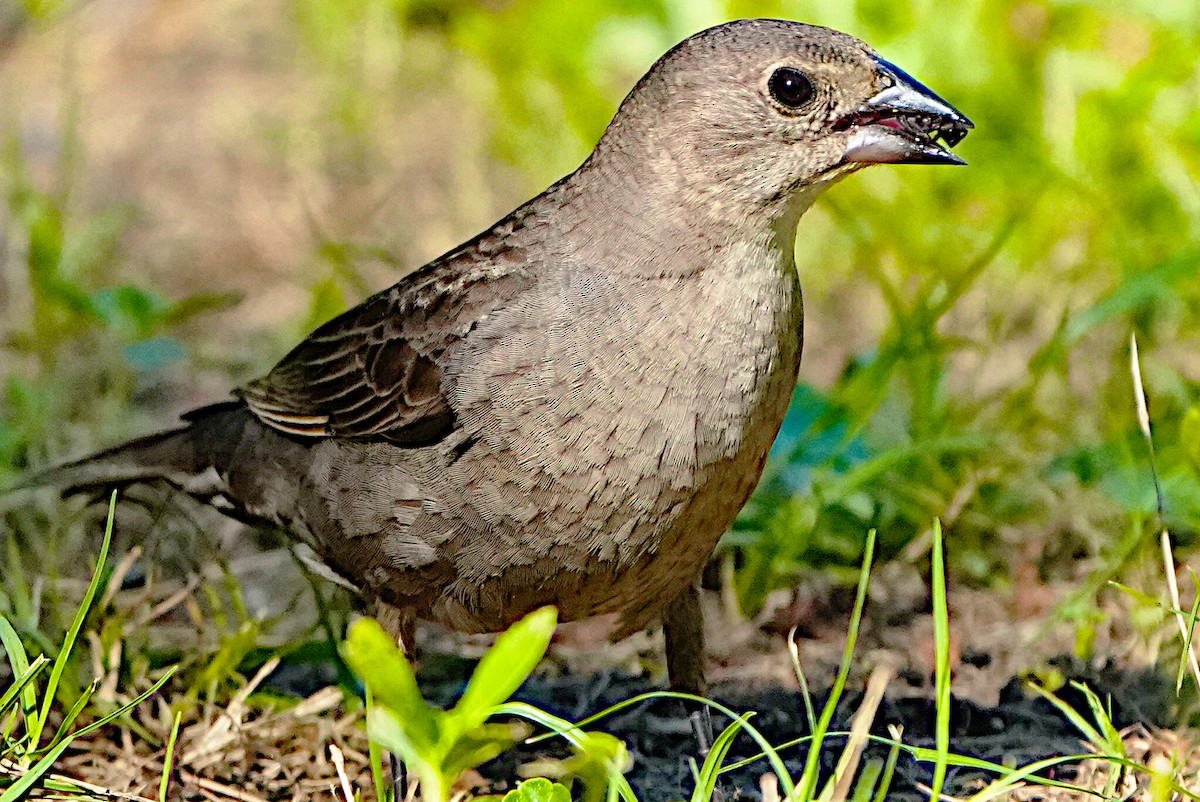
{"x": 808, "y": 780}
{"x": 794, "y": 653}
{"x": 64, "y": 728}
{"x": 125, "y": 708}
{"x": 573, "y": 735}
{"x": 706, "y": 779}
{"x": 169, "y": 759}
{"x": 1188, "y": 654}
{"x": 843, "y": 775}
{"x": 889, "y": 767}
{"x": 384, "y": 792}
{"x": 1185, "y": 628}
{"x": 19, "y": 661}
{"x": 769, "y": 752}
{"x": 23, "y": 681}
{"x": 37, "y": 725}
{"x": 941, "y": 638}
{"x": 1103, "y": 716}
{"x": 871, "y": 772}
{"x": 1090, "y": 733}
{"x": 21, "y": 787}
{"x": 1143, "y": 417}
{"x": 926, "y": 755}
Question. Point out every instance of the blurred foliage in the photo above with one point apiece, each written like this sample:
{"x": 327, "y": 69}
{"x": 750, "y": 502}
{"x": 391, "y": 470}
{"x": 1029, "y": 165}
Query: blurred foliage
{"x": 995, "y": 394}
{"x": 77, "y": 340}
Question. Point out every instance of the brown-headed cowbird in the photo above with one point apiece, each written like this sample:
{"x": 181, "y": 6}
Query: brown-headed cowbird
{"x": 571, "y": 407}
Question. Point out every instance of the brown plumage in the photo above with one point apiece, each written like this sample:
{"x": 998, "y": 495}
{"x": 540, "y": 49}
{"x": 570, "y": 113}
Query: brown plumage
{"x": 572, "y": 407}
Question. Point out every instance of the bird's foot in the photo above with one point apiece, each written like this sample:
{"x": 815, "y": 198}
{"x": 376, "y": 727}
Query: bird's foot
{"x": 702, "y": 729}
{"x": 700, "y": 718}
{"x": 399, "y": 778}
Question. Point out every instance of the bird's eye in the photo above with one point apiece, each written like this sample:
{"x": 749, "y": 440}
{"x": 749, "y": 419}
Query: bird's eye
{"x": 790, "y": 87}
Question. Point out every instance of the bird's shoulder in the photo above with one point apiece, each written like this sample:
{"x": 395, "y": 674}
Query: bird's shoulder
{"x": 376, "y": 371}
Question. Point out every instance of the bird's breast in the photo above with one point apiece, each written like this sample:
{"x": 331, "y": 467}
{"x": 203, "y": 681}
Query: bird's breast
{"x": 616, "y": 428}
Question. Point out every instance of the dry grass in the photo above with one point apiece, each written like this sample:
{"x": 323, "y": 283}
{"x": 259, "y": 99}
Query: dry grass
{"x": 242, "y": 752}
{"x": 1159, "y": 755}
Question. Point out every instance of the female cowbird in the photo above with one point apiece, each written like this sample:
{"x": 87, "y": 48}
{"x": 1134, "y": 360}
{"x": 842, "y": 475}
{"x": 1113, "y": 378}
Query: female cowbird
{"x": 571, "y": 407}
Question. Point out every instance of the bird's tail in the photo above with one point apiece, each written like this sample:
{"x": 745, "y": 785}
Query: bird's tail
{"x": 180, "y": 456}
{"x": 166, "y": 455}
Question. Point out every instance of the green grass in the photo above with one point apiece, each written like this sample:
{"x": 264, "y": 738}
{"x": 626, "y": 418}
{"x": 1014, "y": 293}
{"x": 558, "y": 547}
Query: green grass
{"x": 30, "y": 704}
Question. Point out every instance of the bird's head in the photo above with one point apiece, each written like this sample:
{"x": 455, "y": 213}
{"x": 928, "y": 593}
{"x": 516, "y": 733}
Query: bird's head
{"x": 763, "y": 114}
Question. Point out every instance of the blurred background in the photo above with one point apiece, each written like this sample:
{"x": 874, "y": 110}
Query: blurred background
{"x": 187, "y": 188}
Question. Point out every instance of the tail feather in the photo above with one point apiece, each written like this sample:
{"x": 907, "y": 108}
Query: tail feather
{"x": 222, "y": 456}
{"x": 171, "y": 456}
{"x": 186, "y": 457}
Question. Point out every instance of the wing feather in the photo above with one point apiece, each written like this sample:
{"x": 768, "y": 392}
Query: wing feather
{"x": 377, "y": 370}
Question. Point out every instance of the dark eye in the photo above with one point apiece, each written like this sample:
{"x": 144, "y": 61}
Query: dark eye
{"x": 790, "y": 87}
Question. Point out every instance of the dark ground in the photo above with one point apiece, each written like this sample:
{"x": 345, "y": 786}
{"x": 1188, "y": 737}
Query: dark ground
{"x": 1017, "y": 731}
{"x": 1021, "y": 728}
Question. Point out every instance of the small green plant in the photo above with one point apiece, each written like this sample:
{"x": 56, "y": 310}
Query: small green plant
{"x": 439, "y": 745}
{"x": 539, "y": 789}
{"x": 28, "y": 705}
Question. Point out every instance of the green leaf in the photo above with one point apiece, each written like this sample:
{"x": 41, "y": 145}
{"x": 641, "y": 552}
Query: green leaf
{"x": 384, "y": 791}
{"x": 376, "y": 659}
{"x": 125, "y": 708}
{"x": 889, "y": 771}
{"x": 710, "y": 771}
{"x": 225, "y": 662}
{"x": 20, "y": 666}
{"x": 481, "y": 745}
{"x": 326, "y": 302}
{"x": 1138, "y": 595}
{"x": 806, "y": 787}
{"x": 187, "y": 308}
{"x": 539, "y": 789}
{"x": 19, "y": 686}
{"x": 941, "y": 637}
{"x": 169, "y": 760}
{"x": 584, "y": 743}
{"x": 1112, "y": 737}
{"x": 64, "y": 729}
{"x": 1138, "y": 290}
{"x": 1090, "y": 733}
{"x": 506, "y": 665}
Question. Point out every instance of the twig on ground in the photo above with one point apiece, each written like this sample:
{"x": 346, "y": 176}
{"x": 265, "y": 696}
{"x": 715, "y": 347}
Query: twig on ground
{"x": 220, "y": 789}
{"x": 339, "y": 763}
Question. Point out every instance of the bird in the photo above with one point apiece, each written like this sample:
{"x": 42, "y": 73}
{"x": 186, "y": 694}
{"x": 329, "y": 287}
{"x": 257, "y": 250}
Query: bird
{"x": 571, "y": 407}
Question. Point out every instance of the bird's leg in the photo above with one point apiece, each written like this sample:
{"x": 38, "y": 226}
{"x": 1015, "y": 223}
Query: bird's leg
{"x": 401, "y": 624}
{"x": 683, "y": 627}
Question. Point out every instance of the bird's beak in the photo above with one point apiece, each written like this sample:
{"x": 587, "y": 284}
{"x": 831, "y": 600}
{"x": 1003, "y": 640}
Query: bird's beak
{"x": 905, "y": 123}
